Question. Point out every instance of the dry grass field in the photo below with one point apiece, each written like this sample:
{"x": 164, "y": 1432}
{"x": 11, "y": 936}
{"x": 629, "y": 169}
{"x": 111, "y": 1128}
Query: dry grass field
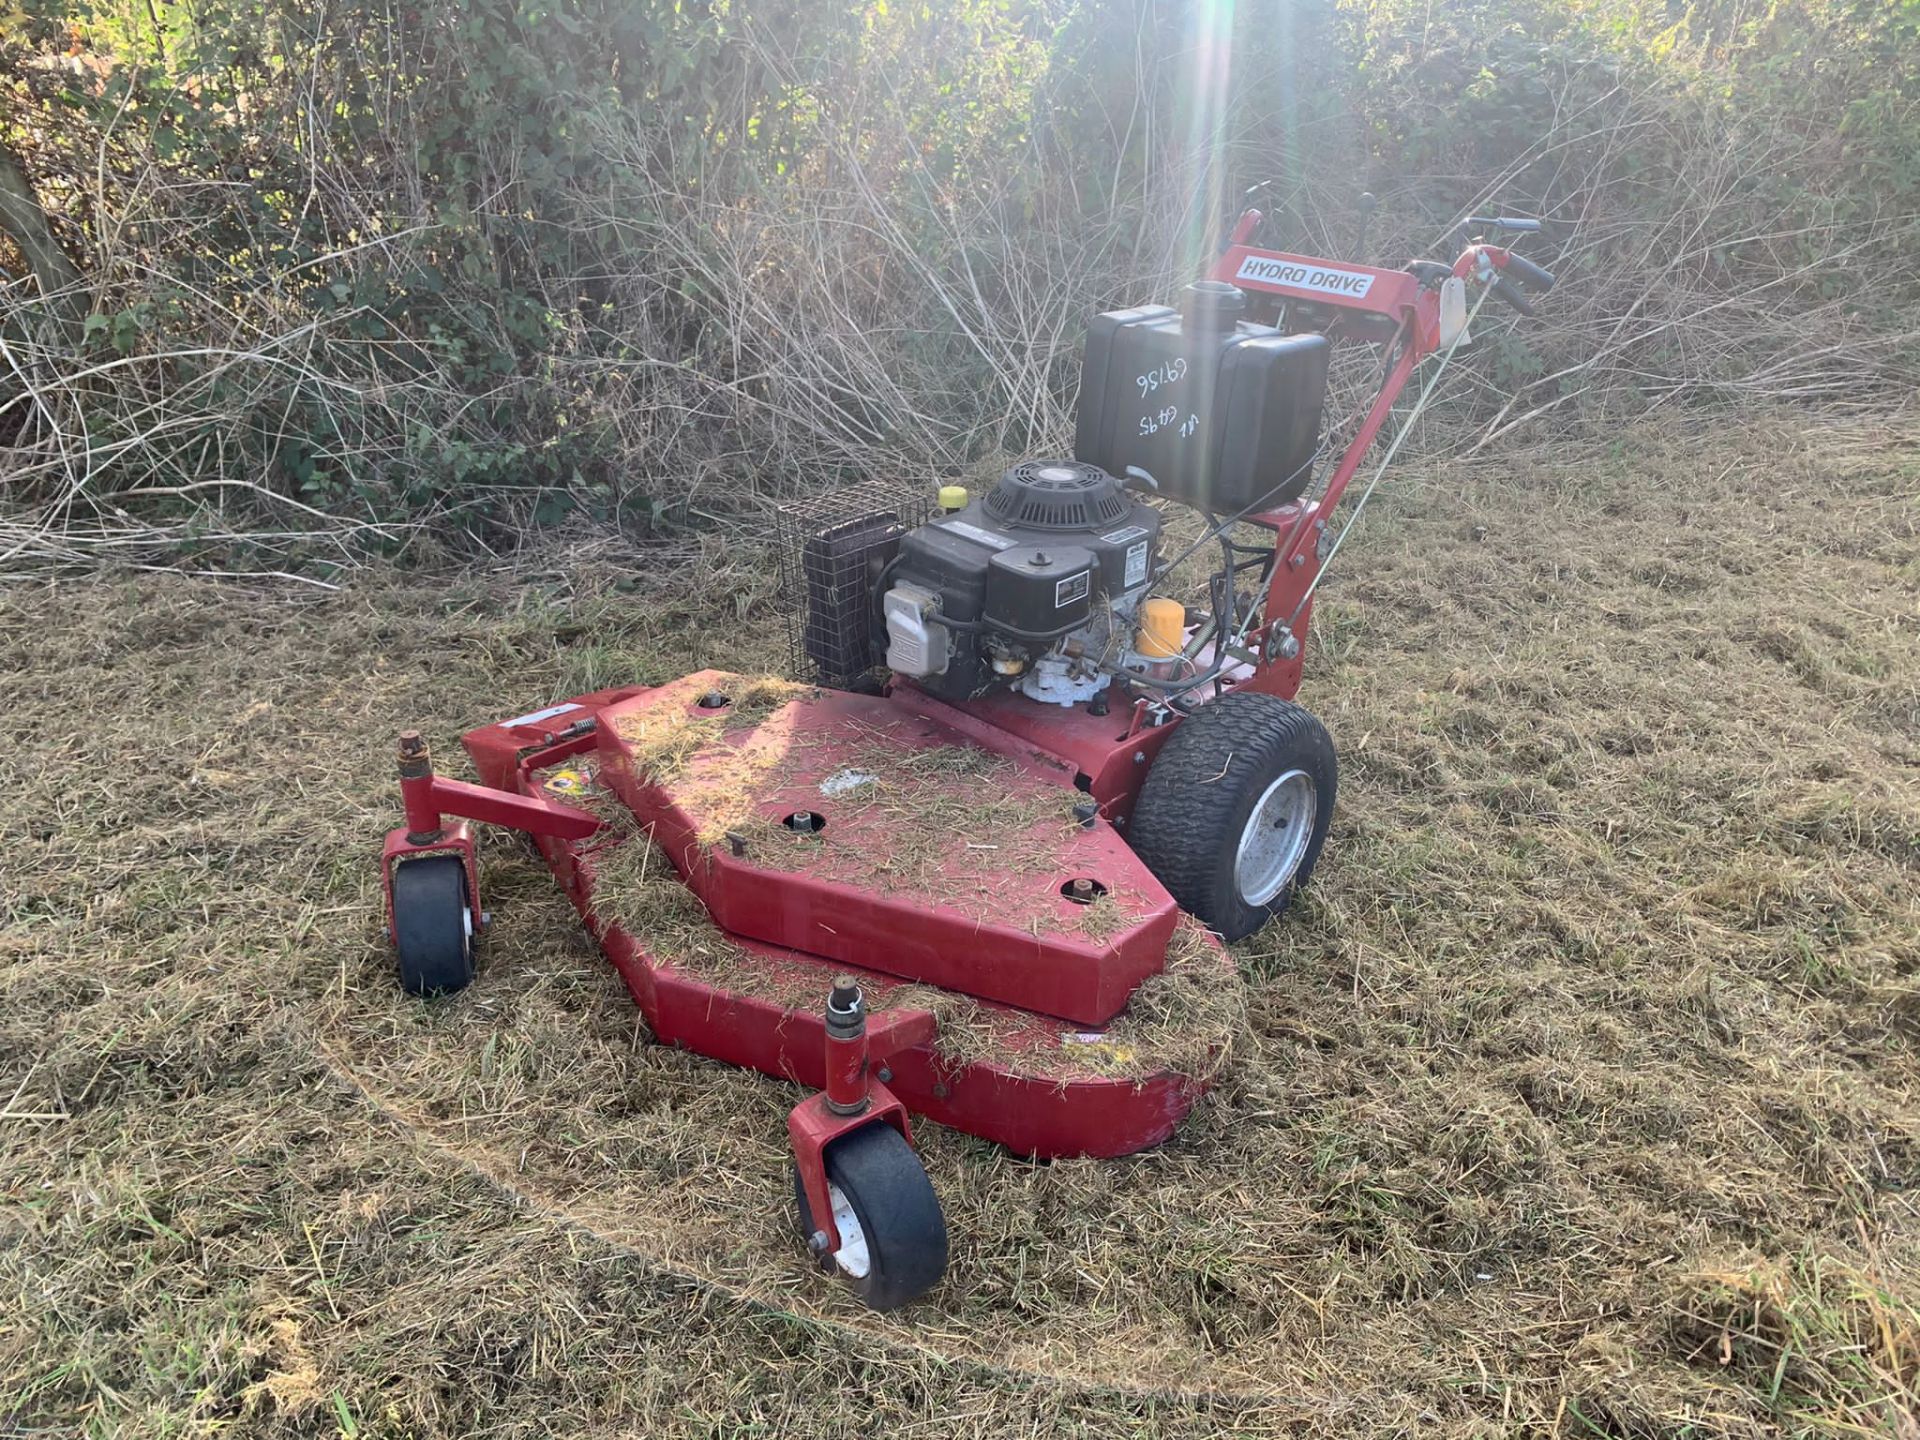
{"x": 1581, "y": 1098}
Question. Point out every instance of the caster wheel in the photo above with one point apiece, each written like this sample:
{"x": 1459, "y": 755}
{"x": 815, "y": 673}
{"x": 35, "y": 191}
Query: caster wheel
{"x": 1234, "y": 812}
{"x": 433, "y": 925}
{"x": 893, "y": 1238}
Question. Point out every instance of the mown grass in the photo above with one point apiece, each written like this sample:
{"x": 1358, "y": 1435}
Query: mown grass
{"x": 1579, "y": 1098}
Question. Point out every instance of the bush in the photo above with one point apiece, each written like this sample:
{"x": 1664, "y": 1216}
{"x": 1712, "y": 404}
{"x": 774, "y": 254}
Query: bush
{"x": 461, "y": 266}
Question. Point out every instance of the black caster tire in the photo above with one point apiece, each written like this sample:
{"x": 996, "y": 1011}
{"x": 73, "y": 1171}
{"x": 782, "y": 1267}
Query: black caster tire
{"x": 1234, "y": 813}
{"x": 895, "y": 1248}
{"x": 433, "y": 925}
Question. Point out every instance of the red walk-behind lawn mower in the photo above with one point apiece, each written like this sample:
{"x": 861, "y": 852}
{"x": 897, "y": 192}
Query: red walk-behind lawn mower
{"x": 934, "y": 879}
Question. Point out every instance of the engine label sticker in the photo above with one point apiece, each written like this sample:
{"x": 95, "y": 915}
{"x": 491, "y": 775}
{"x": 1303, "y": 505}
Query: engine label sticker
{"x": 1136, "y": 564}
{"x": 974, "y": 532}
{"x": 1121, "y": 537}
{"x": 1074, "y": 587}
{"x": 1354, "y": 284}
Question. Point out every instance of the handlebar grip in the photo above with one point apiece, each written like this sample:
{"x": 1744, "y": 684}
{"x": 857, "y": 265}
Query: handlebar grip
{"x": 1529, "y": 274}
{"x": 1511, "y": 293}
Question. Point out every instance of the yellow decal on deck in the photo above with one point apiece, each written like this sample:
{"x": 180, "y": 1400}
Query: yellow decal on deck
{"x": 568, "y": 782}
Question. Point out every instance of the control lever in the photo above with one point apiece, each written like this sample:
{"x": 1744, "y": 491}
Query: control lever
{"x": 1505, "y": 289}
{"x": 1252, "y": 199}
{"x": 1367, "y": 203}
{"x": 1513, "y": 224}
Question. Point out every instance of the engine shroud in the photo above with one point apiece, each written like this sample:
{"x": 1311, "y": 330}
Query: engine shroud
{"x": 1050, "y": 550}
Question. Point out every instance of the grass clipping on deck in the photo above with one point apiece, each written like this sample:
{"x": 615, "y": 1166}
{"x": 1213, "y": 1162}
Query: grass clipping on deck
{"x": 942, "y": 839}
{"x": 1185, "y": 1019}
{"x": 663, "y": 741}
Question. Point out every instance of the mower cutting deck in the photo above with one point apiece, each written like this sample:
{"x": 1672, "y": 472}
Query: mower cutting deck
{"x": 856, "y": 829}
{"x": 743, "y": 848}
{"x": 981, "y": 871}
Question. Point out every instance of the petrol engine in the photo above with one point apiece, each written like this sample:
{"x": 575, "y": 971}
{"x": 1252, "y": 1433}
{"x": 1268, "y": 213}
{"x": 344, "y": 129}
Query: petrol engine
{"x": 1035, "y": 585}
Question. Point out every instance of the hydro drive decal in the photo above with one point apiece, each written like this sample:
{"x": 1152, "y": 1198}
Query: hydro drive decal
{"x": 1354, "y": 284}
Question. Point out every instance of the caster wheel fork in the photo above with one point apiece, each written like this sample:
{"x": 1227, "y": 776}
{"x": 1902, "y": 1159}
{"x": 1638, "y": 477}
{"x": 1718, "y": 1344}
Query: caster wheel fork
{"x": 877, "y": 1221}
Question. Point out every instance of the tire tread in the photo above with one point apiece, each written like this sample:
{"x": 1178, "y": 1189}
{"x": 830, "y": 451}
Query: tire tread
{"x": 1186, "y": 810}
{"x": 434, "y": 953}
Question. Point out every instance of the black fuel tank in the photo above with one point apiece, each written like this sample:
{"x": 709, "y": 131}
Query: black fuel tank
{"x": 1221, "y": 413}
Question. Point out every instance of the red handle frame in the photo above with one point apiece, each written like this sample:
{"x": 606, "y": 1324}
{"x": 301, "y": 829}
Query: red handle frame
{"x": 1414, "y": 310}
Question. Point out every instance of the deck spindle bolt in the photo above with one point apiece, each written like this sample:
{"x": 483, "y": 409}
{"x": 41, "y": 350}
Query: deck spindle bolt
{"x": 846, "y": 1008}
{"x": 846, "y": 1089}
{"x": 415, "y": 759}
{"x": 1083, "y": 889}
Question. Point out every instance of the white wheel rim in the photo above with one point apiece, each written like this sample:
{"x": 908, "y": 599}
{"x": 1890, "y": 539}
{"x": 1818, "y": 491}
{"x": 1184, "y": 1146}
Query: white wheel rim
{"x": 852, "y": 1257}
{"x": 1274, "y": 841}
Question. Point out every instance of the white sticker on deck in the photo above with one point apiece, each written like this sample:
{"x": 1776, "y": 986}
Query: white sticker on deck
{"x": 841, "y": 781}
{"x": 537, "y": 716}
{"x": 1354, "y": 284}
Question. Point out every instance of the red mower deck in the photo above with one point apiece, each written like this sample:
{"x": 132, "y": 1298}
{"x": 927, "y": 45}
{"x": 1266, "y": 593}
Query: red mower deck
{"x": 857, "y": 830}
{"x": 1037, "y": 1082}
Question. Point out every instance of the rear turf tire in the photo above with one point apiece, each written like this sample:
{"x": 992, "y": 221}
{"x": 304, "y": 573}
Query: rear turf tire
{"x": 896, "y": 1213}
{"x": 432, "y": 925}
{"x": 1235, "y": 810}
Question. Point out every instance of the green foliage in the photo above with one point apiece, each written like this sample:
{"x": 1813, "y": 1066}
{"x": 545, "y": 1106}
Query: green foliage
{"x": 487, "y": 257}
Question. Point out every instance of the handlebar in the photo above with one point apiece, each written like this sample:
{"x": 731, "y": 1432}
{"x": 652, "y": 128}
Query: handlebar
{"x": 1504, "y": 273}
{"x": 1533, "y": 276}
{"x": 1507, "y": 272}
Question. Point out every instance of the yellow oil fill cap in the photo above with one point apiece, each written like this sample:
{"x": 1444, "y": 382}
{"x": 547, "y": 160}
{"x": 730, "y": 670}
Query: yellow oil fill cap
{"x": 953, "y": 497}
